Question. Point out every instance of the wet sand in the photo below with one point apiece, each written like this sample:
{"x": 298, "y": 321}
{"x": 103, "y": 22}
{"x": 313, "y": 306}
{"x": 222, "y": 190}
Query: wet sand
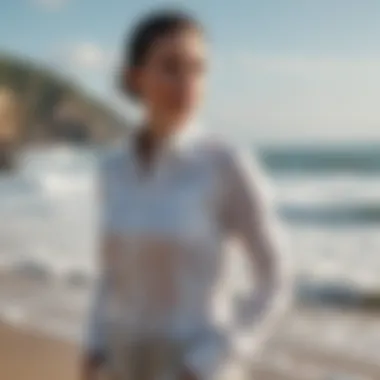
{"x": 32, "y": 356}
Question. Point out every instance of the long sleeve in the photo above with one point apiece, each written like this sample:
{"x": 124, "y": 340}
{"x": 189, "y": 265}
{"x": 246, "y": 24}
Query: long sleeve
{"x": 250, "y": 215}
{"x": 247, "y": 215}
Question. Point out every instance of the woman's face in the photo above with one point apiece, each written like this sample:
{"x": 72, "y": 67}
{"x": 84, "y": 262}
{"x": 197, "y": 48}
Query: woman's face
{"x": 171, "y": 81}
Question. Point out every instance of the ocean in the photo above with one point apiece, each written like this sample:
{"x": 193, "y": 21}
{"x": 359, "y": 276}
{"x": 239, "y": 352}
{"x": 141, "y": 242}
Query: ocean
{"x": 328, "y": 198}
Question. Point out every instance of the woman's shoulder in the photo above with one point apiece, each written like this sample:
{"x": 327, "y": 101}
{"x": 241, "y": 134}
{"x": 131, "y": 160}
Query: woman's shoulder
{"x": 225, "y": 151}
{"x": 238, "y": 162}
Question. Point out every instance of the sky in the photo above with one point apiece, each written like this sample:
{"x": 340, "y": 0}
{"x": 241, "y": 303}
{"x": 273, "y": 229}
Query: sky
{"x": 281, "y": 70}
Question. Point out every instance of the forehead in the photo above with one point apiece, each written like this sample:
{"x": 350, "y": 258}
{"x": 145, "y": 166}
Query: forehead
{"x": 185, "y": 43}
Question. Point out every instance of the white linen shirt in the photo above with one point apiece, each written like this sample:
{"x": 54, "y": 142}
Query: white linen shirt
{"x": 164, "y": 235}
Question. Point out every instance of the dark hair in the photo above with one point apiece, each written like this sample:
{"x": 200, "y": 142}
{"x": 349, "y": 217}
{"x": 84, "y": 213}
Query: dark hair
{"x": 146, "y": 32}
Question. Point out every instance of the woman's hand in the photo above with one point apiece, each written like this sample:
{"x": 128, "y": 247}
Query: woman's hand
{"x": 91, "y": 368}
{"x": 187, "y": 374}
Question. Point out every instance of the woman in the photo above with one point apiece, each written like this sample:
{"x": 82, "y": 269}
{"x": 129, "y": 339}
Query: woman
{"x": 172, "y": 198}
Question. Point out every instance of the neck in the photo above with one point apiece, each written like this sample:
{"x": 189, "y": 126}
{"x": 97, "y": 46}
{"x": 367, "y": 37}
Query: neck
{"x": 150, "y": 139}
{"x": 159, "y": 128}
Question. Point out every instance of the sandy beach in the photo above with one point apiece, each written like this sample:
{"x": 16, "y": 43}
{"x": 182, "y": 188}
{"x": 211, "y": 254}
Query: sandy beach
{"x": 28, "y": 355}
{"x": 32, "y": 356}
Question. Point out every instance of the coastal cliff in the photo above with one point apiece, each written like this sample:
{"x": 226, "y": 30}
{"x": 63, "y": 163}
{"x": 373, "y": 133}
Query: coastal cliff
{"x": 39, "y": 105}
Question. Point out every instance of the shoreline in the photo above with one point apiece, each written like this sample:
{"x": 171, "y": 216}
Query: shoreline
{"x": 32, "y": 355}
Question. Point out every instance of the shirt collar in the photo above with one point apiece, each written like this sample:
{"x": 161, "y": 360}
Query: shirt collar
{"x": 178, "y": 145}
{"x": 179, "y": 141}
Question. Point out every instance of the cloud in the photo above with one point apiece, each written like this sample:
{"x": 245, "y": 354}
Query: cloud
{"x": 83, "y": 56}
{"x": 88, "y": 56}
{"x": 51, "y": 5}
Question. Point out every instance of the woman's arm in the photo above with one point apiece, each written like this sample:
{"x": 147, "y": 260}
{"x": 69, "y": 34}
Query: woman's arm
{"x": 247, "y": 215}
{"x": 250, "y": 216}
